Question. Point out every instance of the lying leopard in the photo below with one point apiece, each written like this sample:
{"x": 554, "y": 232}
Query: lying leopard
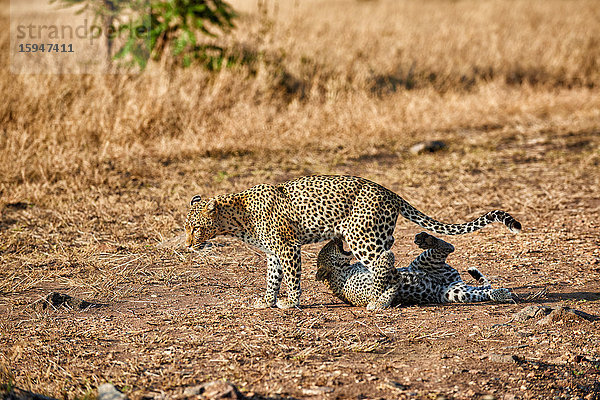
{"x": 279, "y": 219}
{"x": 428, "y": 279}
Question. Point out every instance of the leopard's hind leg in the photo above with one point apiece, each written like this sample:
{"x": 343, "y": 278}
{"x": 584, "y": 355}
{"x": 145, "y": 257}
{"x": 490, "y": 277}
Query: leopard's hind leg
{"x": 479, "y": 277}
{"x": 369, "y": 233}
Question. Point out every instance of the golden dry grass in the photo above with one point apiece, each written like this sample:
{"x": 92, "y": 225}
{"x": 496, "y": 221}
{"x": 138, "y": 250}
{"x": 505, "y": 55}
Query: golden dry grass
{"x": 96, "y": 172}
{"x": 323, "y": 75}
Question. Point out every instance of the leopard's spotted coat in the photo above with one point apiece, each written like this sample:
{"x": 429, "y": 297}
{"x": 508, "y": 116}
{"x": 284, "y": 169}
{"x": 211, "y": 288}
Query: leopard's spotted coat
{"x": 279, "y": 219}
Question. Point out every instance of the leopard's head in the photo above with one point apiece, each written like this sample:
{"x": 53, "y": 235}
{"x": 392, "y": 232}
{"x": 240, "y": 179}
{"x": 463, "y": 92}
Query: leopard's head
{"x": 331, "y": 257}
{"x": 201, "y": 222}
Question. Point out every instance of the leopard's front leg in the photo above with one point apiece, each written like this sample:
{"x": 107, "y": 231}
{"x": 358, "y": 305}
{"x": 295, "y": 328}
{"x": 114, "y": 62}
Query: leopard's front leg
{"x": 383, "y": 294}
{"x": 386, "y": 299}
{"x": 274, "y": 277}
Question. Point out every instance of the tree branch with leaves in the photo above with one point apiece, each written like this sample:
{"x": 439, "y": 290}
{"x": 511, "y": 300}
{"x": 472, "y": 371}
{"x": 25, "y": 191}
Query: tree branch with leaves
{"x": 160, "y": 28}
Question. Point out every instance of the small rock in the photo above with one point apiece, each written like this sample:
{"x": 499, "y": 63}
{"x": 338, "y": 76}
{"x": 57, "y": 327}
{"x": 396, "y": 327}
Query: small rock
{"x": 393, "y": 384}
{"x": 566, "y": 314}
{"x": 106, "y": 391}
{"x": 552, "y": 315}
{"x": 317, "y": 390}
{"x": 488, "y": 397}
{"x": 531, "y": 312}
{"x": 215, "y": 390}
{"x": 524, "y": 334}
{"x": 558, "y": 360}
{"x": 503, "y": 358}
{"x": 428, "y": 147}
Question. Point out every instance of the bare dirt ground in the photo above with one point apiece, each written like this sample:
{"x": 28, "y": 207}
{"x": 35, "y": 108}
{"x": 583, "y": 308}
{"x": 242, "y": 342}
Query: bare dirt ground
{"x": 174, "y": 319}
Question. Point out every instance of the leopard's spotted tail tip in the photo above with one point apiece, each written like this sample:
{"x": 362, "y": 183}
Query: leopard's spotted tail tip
{"x": 506, "y": 219}
{"x": 515, "y": 226}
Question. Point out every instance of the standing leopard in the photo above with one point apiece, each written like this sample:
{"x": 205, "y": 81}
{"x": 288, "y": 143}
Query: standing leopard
{"x": 428, "y": 279}
{"x": 279, "y": 219}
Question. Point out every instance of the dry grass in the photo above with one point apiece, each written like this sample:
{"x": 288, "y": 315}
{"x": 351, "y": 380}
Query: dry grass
{"x": 96, "y": 172}
{"x": 326, "y": 80}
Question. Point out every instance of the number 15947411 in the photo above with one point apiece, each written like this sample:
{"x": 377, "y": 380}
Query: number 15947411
{"x": 45, "y": 48}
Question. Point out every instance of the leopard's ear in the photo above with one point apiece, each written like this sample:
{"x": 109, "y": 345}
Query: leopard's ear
{"x": 195, "y": 199}
{"x": 211, "y": 205}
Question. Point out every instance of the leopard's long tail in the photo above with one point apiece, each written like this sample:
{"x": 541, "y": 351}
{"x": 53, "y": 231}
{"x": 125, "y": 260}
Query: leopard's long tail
{"x": 416, "y": 216}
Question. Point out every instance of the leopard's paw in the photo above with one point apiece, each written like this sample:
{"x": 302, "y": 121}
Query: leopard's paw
{"x": 287, "y": 303}
{"x": 426, "y": 241}
{"x": 377, "y": 305}
{"x": 262, "y": 303}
